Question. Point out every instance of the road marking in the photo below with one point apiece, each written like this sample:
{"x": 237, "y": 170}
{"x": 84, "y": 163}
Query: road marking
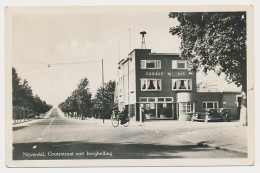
{"x": 51, "y": 122}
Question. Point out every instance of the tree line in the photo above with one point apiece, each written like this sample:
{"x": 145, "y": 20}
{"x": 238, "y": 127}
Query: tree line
{"x": 80, "y": 103}
{"x": 23, "y": 97}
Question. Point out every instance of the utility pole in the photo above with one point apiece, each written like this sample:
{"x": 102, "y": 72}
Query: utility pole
{"x": 103, "y": 110}
{"x": 128, "y": 87}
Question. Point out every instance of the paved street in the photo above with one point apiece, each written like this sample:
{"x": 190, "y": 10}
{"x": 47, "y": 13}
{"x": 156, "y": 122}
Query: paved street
{"x": 58, "y": 137}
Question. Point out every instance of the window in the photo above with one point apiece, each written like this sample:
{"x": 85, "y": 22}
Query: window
{"x": 181, "y": 84}
{"x": 160, "y": 99}
{"x": 180, "y": 64}
{"x": 151, "y": 99}
{"x": 168, "y": 99}
{"x": 186, "y": 107}
{"x": 143, "y": 99}
{"x": 210, "y": 105}
{"x": 151, "y": 84}
{"x": 156, "y": 99}
{"x": 165, "y": 99}
{"x": 150, "y": 64}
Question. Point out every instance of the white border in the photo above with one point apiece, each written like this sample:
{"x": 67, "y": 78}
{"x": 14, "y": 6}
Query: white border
{"x": 237, "y": 169}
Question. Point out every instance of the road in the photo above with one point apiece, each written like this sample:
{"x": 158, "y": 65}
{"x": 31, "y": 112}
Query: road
{"x": 58, "y": 137}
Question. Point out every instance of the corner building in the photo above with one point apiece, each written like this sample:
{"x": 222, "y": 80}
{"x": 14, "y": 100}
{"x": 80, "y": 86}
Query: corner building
{"x": 162, "y": 85}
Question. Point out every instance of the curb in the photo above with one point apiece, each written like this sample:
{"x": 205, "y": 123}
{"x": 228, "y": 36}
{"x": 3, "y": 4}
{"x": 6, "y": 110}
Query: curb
{"x": 204, "y": 144}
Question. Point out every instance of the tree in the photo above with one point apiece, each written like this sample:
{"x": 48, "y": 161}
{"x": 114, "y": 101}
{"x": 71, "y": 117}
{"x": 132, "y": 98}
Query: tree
{"x": 23, "y": 96}
{"x": 16, "y": 85}
{"x": 79, "y": 101}
{"x": 215, "y": 41}
{"x": 109, "y": 89}
{"x": 83, "y": 98}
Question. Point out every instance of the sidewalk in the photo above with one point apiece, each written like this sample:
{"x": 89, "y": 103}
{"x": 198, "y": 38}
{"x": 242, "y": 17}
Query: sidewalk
{"x": 33, "y": 120}
{"x": 226, "y": 138}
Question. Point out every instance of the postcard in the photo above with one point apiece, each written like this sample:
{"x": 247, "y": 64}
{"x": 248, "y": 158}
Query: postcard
{"x": 133, "y": 85}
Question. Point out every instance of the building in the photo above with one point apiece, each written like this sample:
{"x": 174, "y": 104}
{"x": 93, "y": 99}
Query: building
{"x": 161, "y": 85}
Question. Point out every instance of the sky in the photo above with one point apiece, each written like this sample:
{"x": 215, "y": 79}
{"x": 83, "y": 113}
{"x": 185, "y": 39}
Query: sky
{"x": 71, "y": 35}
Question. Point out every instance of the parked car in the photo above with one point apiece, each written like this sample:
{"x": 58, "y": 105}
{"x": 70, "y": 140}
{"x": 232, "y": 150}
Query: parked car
{"x": 225, "y": 114}
{"x": 207, "y": 115}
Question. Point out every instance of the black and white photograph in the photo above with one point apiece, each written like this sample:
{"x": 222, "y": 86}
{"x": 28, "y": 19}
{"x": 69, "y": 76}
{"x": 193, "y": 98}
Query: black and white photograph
{"x": 129, "y": 86}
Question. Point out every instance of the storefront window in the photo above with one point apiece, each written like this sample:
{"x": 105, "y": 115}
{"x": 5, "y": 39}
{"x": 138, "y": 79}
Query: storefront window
{"x": 181, "y": 84}
{"x": 168, "y": 99}
{"x": 151, "y": 99}
{"x": 160, "y": 99}
{"x": 143, "y": 99}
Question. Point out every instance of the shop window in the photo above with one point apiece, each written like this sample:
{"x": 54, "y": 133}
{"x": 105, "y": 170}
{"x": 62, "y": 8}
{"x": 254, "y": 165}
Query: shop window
{"x": 210, "y": 105}
{"x": 151, "y": 99}
{"x": 186, "y": 107}
{"x": 151, "y": 84}
{"x": 168, "y": 99}
{"x": 160, "y": 99}
{"x": 143, "y": 99}
{"x": 147, "y": 106}
{"x": 150, "y": 64}
{"x": 181, "y": 84}
{"x": 180, "y": 64}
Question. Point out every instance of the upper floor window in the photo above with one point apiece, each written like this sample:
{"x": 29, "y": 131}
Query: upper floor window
{"x": 181, "y": 84}
{"x": 150, "y": 64}
{"x": 151, "y": 84}
{"x": 210, "y": 105}
{"x": 180, "y": 64}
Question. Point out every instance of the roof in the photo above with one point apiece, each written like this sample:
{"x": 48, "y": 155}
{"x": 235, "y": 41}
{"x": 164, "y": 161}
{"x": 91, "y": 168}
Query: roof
{"x": 138, "y": 49}
{"x": 165, "y": 54}
{"x": 224, "y": 92}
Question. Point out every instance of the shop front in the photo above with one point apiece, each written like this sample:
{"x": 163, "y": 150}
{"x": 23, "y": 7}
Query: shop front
{"x": 157, "y": 107}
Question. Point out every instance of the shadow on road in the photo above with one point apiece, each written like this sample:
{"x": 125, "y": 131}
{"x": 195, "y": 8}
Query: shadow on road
{"x": 89, "y": 150}
{"x": 18, "y": 128}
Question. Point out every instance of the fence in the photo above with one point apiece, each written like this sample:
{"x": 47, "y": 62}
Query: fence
{"x": 21, "y": 114}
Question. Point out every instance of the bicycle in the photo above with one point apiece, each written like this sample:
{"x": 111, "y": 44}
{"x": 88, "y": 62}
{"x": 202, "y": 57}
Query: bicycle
{"x": 117, "y": 120}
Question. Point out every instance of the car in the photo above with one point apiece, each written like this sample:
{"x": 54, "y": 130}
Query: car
{"x": 225, "y": 114}
{"x": 207, "y": 115}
